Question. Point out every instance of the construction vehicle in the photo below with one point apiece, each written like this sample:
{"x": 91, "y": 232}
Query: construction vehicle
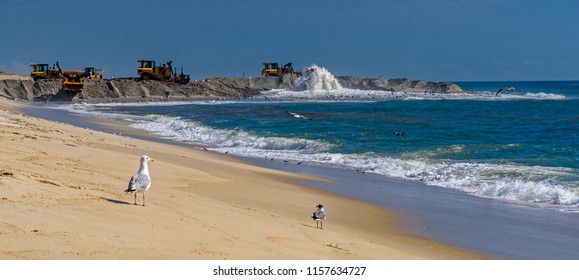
{"x": 43, "y": 71}
{"x": 272, "y": 69}
{"x": 150, "y": 71}
{"x": 72, "y": 80}
{"x": 94, "y": 73}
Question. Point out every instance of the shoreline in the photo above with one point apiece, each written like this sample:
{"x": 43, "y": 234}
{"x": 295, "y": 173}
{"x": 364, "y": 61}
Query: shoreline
{"x": 497, "y": 229}
{"x": 69, "y": 195}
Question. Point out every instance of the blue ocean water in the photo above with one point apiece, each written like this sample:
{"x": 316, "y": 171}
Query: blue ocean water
{"x": 520, "y": 145}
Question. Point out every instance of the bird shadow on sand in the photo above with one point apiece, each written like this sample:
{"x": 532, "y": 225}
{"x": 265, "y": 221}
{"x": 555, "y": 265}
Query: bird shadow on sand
{"x": 116, "y": 201}
{"x": 306, "y": 225}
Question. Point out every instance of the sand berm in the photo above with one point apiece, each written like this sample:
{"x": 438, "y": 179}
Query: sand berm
{"x": 42, "y": 90}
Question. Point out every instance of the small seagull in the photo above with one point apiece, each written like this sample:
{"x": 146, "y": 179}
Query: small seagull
{"x": 506, "y": 88}
{"x": 226, "y": 152}
{"x": 295, "y": 115}
{"x": 141, "y": 181}
{"x": 319, "y": 216}
{"x": 205, "y": 149}
{"x": 285, "y": 161}
{"x": 300, "y": 163}
{"x": 397, "y": 133}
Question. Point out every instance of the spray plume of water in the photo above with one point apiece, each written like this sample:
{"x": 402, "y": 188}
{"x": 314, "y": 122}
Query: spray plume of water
{"x": 317, "y": 79}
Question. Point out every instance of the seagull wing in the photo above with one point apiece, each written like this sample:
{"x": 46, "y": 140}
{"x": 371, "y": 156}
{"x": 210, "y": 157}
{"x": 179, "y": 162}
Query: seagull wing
{"x": 139, "y": 182}
{"x": 319, "y": 215}
{"x": 499, "y": 91}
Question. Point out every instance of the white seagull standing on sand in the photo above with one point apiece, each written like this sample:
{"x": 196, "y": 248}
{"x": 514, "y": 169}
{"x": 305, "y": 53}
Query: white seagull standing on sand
{"x": 141, "y": 181}
{"x": 319, "y": 216}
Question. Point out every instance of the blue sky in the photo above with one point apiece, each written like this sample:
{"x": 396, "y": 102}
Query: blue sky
{"x": 439, "y": 40}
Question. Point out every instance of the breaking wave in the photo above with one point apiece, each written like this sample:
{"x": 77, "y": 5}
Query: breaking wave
{"x": 508, "y": 182}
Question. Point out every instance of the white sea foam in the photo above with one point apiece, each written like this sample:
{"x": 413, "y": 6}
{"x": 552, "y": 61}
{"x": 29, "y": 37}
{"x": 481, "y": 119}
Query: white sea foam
{"x": 519, "y": 96}
{"x": 318, "y": 79}
{"x": 234, "y": 140}
{"x": 510, "y": 182}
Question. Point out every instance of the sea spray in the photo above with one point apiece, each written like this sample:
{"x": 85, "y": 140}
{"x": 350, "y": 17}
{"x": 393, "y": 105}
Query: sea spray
{"x": 317, "y": 79}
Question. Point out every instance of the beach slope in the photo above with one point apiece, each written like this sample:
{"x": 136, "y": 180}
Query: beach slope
{"x": 62, "y": 197}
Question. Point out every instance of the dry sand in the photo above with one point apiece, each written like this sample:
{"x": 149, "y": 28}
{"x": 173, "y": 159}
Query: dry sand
{"x": 5, "y": 76}
{"x": 61, "y": 197}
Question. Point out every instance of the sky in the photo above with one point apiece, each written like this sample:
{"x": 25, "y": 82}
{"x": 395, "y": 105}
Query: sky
{"x": 433, "y": 40}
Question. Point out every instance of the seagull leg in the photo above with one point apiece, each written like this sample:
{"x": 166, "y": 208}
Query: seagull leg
{"x": 322, "y": 225}
{"x": 135, "y": 198}
{"x": 143, "y": 198}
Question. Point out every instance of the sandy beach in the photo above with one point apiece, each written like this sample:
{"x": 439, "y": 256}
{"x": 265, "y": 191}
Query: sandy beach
{"x": 63, "y": 198}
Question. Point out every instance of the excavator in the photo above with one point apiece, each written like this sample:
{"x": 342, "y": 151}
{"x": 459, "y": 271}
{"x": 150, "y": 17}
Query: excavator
{"x": 43, "y": 71}
{"x": 94, "y": 73}
{"x": 272, "y": 69}
{"x": 150, "y": 71}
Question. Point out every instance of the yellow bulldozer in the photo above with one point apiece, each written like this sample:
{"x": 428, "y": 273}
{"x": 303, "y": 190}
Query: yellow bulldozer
{"x": 272, "y": 69}
{"x": 43, "y": 71}
{"x": 72, "y": 80}
{"x": 148, "y": 70}
{"x": 94, "y": 73}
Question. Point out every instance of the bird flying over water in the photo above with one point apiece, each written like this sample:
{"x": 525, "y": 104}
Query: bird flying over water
{"x": 295, "y": 115}
{"x": 141, "y": 181}
{"x": 319, "y": 216}
{"x": 506, "y": 88}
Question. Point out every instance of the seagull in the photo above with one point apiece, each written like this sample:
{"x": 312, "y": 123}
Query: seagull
{"x": 397, "y": 133}
{"x": 141, "y": 181}
{"x": 319, "y": 216}
{"x": 507, "y": 89}
{"x": 298, "y": 116}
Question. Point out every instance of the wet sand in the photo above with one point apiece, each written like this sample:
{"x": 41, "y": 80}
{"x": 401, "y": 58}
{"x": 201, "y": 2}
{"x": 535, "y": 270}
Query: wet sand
{"x": 62, "y": 198}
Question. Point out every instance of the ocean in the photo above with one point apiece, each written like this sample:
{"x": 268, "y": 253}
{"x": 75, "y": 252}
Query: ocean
{"x": 518, "y": 146}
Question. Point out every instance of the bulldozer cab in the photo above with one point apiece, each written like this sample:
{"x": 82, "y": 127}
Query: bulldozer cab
{"x": 93, "y": 73}
{"x": 270, "y": 69}
{"x": 43, "y": 71}
{"x": 146, "y": 69}
{"x": 146, "y": 66}
{"x": 39, "y": 71}
{"x": 273, "y": 69}
{"x": 271, "y": 65}
{"x": 39, "y": 67}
